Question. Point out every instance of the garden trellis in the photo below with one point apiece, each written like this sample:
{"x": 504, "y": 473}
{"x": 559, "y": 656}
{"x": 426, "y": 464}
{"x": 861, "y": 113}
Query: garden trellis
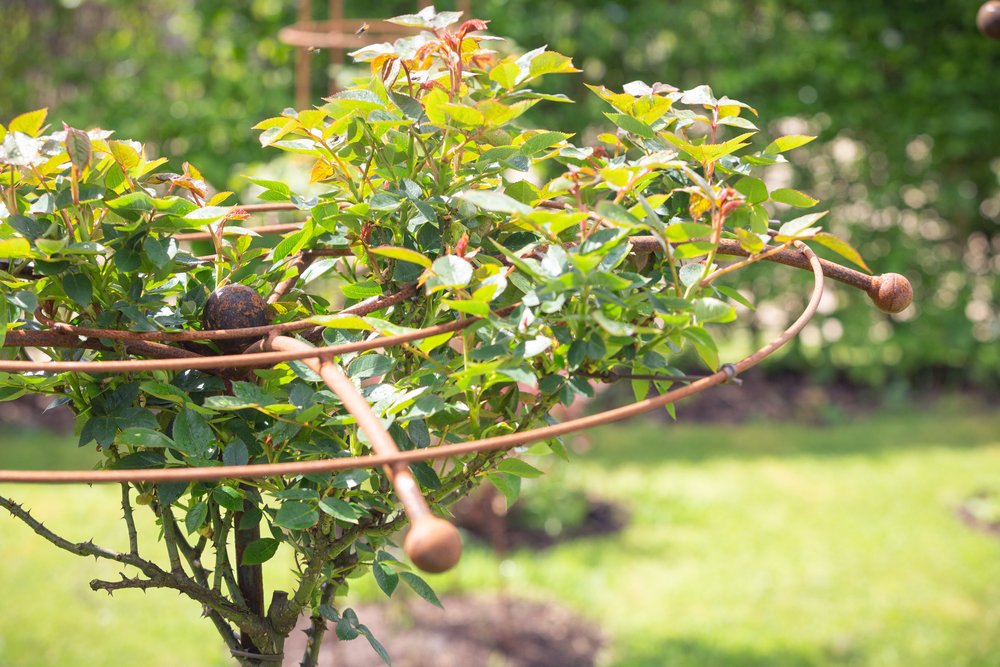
{"x": 433, "y": 544}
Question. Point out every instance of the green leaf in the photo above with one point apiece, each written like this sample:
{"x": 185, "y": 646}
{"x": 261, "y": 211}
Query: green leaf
{"x": 16, "y": 247}
{"x": 132, "y": 201}
{"x": 362, "y": 290}
{"x": 370, "y": 365}
{"x": 125, "y": 153}
{"x": 274, "y": 186}
{"x": 29, "y": 123}
{"x": 477, "y": 308}
{"x": 143, "y": 437}
{"x": 542, "y": 141}
{"x": 192, "y": 434}
{"x": 462, "y": 114}
{"x": 550, "y": 62}
{"x": 631, "y": 125}
{"x": 235, "y": 454}
{"x": 450, "y": 271}
{"x": 385, "y": 577}
{"x": 340, "y": 509}
{"x": 207, "y": 214}
{"x": 787, "y": 143}
{"x": 519, "y": 468}
{"x": 752, "y": 188}
{"x": 491, "y": 200}
{"x": 801, "y": 227}
{"x": 296, "y": 516}
{"x": 793, "y": 198}
{"x": 710, "y": 309}
{"x": 78, "y": 288}
{"x": 749, "y": 241}
{"x": 685, "y": 231}
{"x": 317, "y": 269}
{"x": 375, "y": 644}
{"x": 196, "y": 516}
{"x": 156, "y": 251}
{"x": 704, "y": 345}
{"x": 100, "y": 429}
{"x": 842, "y": 248}
{"x": 404, "y": 254}
{"x": 137, "y": 460}
{"x": 507, "y": 484}
{"x": 421, "y": 588}
{"x": 613, "y": 327}
{"x": 505, "y": 74}
{"x": 342, "y": 322}
{"x": 260, "y": 551}
{"x": 689, "y": 274}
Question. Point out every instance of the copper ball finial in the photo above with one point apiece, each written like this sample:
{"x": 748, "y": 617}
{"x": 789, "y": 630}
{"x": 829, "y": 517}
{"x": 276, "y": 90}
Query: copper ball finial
{"x": 891, "y": 292}
{"x": 988, "y": 19}
{"x": 433, "y": 544}
{"x": 234, "y": 307}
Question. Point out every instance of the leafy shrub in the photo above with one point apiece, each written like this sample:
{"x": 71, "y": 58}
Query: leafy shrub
{"x": 432, "y": 192}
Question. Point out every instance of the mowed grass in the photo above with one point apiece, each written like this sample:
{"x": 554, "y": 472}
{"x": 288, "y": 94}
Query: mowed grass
{"x": 752, "y": 545}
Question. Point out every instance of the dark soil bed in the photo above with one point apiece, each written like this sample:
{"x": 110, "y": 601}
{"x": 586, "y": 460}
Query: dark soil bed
{"x": 468, "y": 632}
{"x": 482, "y": 516}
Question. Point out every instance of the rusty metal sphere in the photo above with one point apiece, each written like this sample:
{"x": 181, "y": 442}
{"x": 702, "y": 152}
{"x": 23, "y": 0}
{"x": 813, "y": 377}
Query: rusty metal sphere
{"x": 433, "y": 544}
{"x": 988, "y": 19}
{"x": 235, "y": 307}
{"x": 891, "y": 292}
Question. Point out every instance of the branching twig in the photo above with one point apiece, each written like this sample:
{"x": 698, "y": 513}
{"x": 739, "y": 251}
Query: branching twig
{"x": 133, "y": 537}
{"x": 157, "y": 576}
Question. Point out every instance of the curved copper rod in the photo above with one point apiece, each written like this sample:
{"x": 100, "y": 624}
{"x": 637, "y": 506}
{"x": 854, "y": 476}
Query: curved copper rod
{"x": 890, "y": 292}
{"x": 245, "y": 360}
{"x": 433, "y": 544}
{"x": 61, "y": 331}
{"x": 442, "y": 451}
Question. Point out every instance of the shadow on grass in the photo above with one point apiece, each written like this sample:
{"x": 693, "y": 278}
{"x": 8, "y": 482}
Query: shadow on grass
{"x": 658, "y": 440}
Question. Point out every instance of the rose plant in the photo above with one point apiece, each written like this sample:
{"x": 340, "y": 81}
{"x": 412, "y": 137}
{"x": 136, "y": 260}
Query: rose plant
{"x": 436, "y": 200}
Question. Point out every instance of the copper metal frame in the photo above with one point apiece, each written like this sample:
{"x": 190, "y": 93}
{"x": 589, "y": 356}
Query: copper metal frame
{"x": 433, "y": 544}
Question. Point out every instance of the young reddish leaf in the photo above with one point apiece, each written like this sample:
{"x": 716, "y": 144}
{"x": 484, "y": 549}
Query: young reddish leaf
{"x": 77, "y": 147}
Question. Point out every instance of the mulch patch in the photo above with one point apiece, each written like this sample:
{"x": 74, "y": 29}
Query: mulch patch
{"x": 480, "y": 516}
{"x": 468, "y": 632}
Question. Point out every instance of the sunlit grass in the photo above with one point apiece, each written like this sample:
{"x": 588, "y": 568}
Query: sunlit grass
{"x": 748, "y": 545}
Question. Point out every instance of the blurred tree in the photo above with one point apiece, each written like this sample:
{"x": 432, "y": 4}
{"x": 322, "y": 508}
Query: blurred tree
{"x": 904, "y": 96}
{"x": 188, "y": 76}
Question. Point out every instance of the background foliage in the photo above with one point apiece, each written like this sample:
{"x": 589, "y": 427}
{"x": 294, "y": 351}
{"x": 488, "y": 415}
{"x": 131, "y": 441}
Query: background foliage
{"x": 903, "y": 95}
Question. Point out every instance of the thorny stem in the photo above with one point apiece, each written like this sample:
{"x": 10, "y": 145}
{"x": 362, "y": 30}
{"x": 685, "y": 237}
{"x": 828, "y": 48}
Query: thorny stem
{"x": 133, "y": 537}
{"x": 317, "y": 628}
{"x": 169, "y": 526}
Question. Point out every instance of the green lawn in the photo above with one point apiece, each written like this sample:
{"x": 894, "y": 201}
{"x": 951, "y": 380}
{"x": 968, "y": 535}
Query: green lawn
{"x": 748, "y": 545}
